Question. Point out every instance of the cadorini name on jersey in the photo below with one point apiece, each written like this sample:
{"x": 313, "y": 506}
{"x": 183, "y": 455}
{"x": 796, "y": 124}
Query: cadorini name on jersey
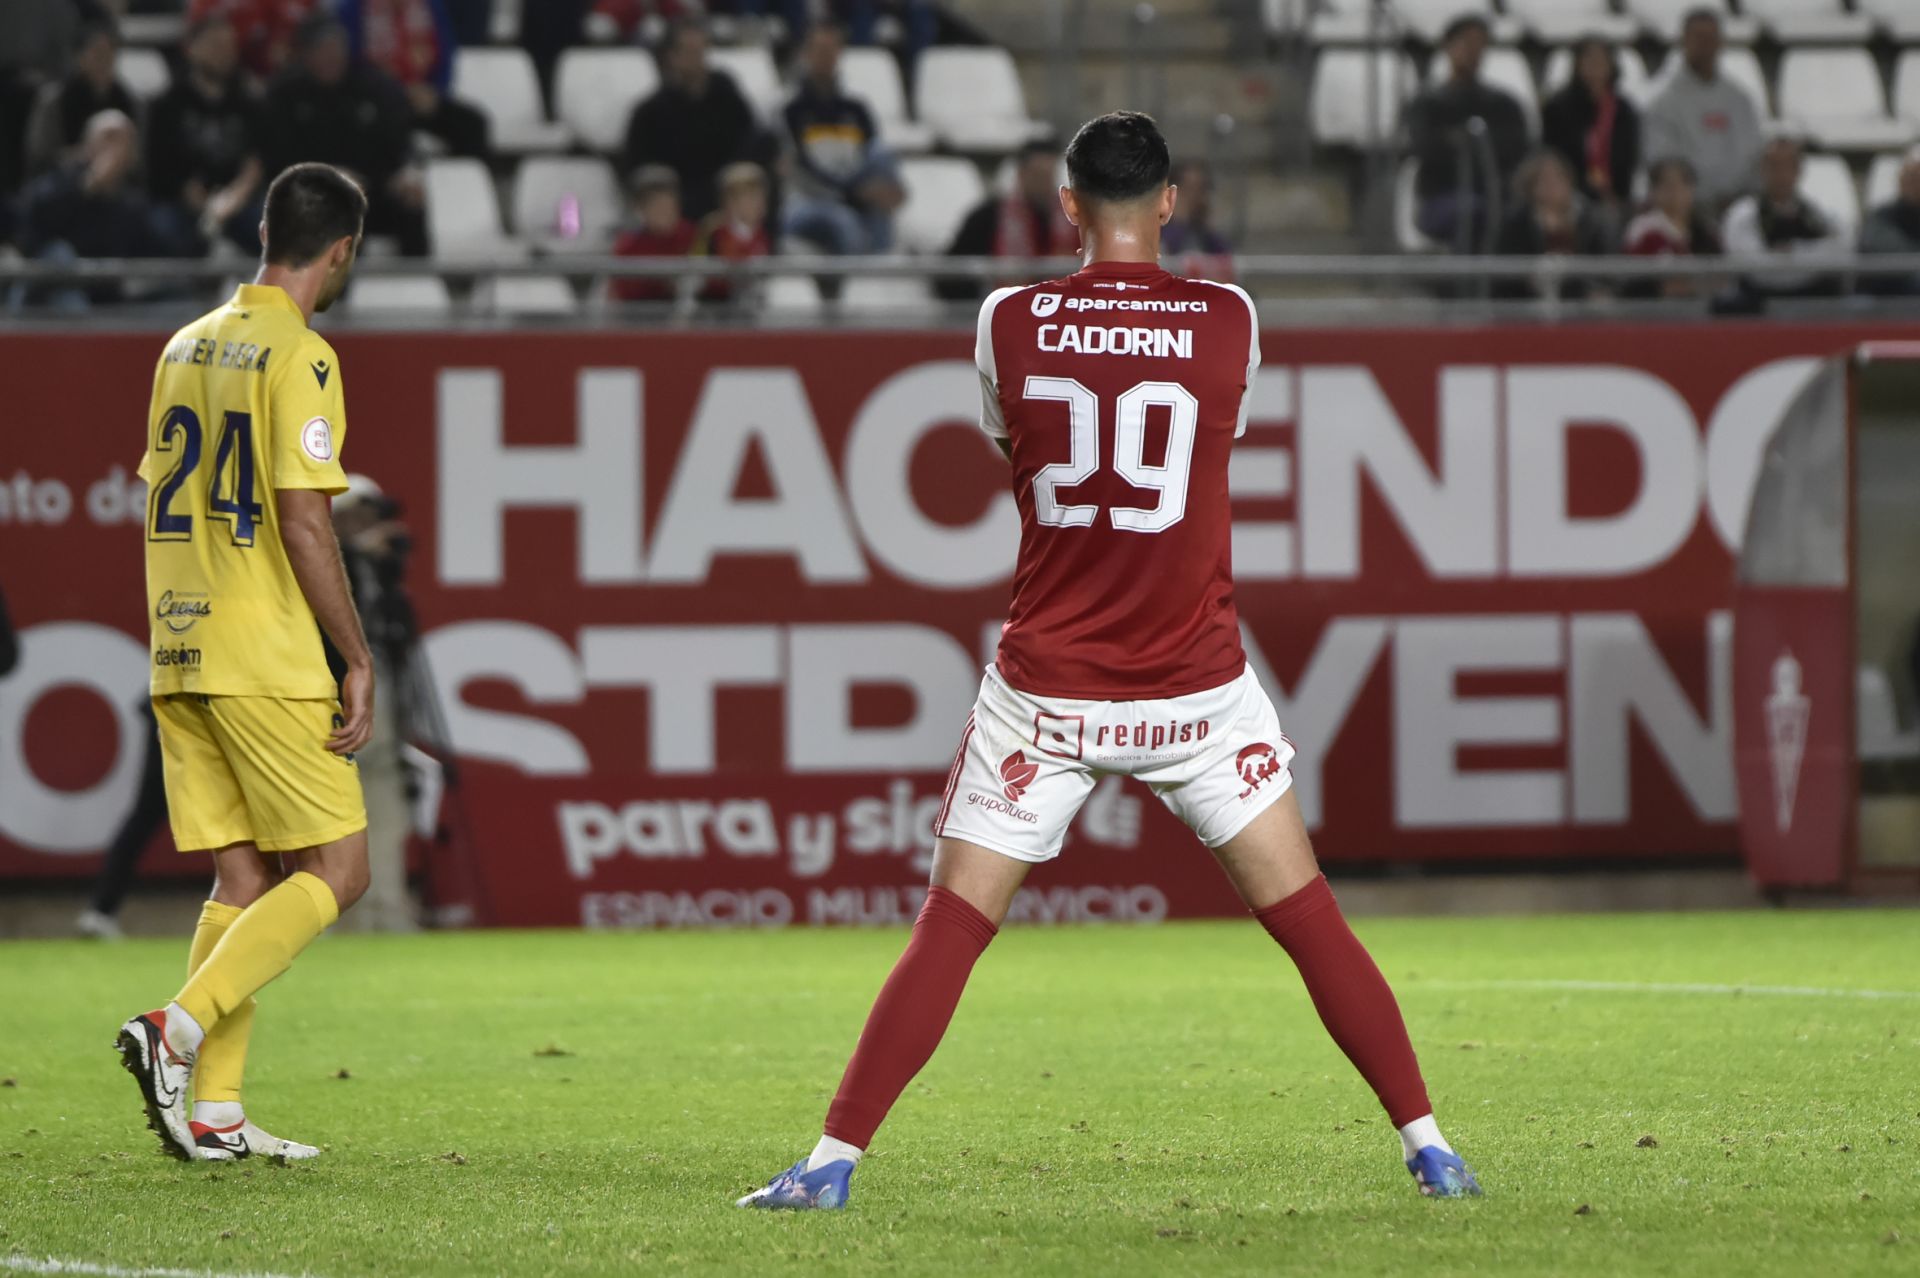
{"x": 244, "y": 356}
{"x": 1090, "y": 339}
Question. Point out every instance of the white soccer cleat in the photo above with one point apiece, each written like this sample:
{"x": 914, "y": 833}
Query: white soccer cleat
{"x": 244, "y": 1140}
{"x": 163, "y": 1075}
{"x": 98, "y": 927}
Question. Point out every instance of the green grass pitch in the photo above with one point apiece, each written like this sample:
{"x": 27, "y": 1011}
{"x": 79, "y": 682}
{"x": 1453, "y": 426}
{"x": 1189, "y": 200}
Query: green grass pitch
{"x": 1150, "y": 1101}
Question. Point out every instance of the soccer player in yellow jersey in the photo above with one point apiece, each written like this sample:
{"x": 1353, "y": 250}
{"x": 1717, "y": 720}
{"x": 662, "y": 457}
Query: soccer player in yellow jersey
{"x": 243, "y": 458}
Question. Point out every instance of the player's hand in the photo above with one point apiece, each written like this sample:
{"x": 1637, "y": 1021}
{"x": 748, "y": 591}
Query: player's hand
{"x": 356, "y": 707}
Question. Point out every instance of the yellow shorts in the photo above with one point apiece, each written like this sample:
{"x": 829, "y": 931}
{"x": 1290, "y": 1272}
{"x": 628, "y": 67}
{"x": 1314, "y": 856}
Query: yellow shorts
{"x": 255, "y": 770}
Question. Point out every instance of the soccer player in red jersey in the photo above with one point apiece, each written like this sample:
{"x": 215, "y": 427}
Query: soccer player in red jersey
{"x": 1117, "y": 394}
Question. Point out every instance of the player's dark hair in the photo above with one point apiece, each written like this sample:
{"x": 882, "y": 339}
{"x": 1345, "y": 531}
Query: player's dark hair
{"x": 1118, "y": 157}
{"x": 309, "y": 206}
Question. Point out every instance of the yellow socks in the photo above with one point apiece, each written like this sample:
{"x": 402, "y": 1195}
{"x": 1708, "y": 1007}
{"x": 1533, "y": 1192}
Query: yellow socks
{"x": 223, "y": 1054}
{"x": 257, "y": 946}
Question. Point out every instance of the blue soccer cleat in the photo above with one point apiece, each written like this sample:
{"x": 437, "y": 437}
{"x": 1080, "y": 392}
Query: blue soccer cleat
{"x": 797, "y": 1189}
{"x": 1442, "y": 1175}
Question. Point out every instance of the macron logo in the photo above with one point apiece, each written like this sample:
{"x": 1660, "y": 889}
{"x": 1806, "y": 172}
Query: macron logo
{"x": 1045, "y": 304}
{"x": 320, "y": 371}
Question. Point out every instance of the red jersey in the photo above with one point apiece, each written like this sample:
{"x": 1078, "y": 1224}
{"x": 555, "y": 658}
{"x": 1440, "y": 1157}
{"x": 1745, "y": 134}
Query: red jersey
{"x": 1120, "y": 390}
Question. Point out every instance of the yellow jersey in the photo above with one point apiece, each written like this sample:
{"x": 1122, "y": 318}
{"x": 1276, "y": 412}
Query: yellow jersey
{"x": 247, "y": 400}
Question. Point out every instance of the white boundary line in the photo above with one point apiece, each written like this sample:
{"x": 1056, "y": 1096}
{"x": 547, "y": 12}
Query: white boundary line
{"x": 53, "y": 1265}
{"x": 1659, "y": 987}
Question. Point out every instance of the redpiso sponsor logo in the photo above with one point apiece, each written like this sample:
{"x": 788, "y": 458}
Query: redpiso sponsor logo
{"x": 1257, "y": 764}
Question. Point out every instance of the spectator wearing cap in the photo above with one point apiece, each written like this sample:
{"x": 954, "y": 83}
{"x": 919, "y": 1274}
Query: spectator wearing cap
{"x": 1705, "y": 118}
{"x": 1594, "y": 129}
{"x": 1894, "y": 227}
{"x": 1671, "y": 225}
{"x": 1781, "y": 223}
{"x": 1550, "y": 218}
{"x": 91, "y": 206}
{"x": 65, "y": 107}
{"x": 203, "y": 140}
{"x": 325, "y": 106}
{"x": 1452, "y": 181}
{"x": 1025, "y": 222}
{"x": 659, "y": 229}
{"x": 413, "y": 43}
{"x": 737, "y": 230}
{"x": 696, "y": 124}
{"x": 266, "y": 29}
{"x": 846, "y": 188}
{"x": 1189, "y": 238}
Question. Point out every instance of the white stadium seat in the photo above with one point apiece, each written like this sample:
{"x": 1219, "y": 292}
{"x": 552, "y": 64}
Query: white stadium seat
{"x": 1554, "y": 20}
{"x": 528, "y": 295}
{"x": 1663, "y": 18}
{"x": 1410, "y": 237}
{"x": 595, "y": 91}
{"x": 886, "y": 295}
{"x": 1883, "y": 179}
{"x": 751, "y": 66}
{"x": 1502, "y": 68}
{"x": 1427, "y": 18}
{"x": 1828, "y": 181}
{"x": 1736, "y": 64}
{"x": 463, "y": 213}
{"x": 1906, "y": 87}
{"x": 1899, "y": 18}
{"x": 144, "y": 71}
{"x": 1339, "y": 107}
{"x": 941, "y": 191}
{"x": 541, "y": 191}
{"x": 1792, "y": 20}
{"x": 1836, "y": 97}
{"x": 1877, "y": 724}
{"x": 793, "y": 296}
{"x": 501, "y": 83}
{"x": 424, "y": 295}
{"x": 1636, "y": 86}
{"x": 971, "y": 98}
{"x": 872, "y": 75}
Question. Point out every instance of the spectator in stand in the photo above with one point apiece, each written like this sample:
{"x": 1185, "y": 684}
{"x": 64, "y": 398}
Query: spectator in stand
{"x": 1705, "y": 118}
{"x": 203, "y": 141}
{"x": 329, "y": 108}
{"x": 266, "y": 29}
{"x": 1894, "y": 227}
{"x": 1671, "y": 225}
{"x": 1550, "y": 218}
{"x": 846, "y": 187}
{"x": 660, "y": 229}
{"x": 1780, "y": 223}
{"x": 696, "y": 124}
{"x": 412, "y": 43}
{"x": 1452, "y": 186}
{"x": 1026, "y": 222}
{"x": 91, "y": 206}
{"x": 1188, "y": 238}
{"x": 738, "y": 229}
{"x": 37, "y": 38}
{"x": 548, "y": 29}
{"x": 1594, "y": 129}
{"x": 65, "y": 107}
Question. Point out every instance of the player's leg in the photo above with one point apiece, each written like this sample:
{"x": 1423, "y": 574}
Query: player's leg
{"x": 1272, "y": 866}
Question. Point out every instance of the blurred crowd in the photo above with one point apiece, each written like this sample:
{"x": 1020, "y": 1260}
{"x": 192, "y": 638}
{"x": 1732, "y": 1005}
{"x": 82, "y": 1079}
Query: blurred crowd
{"x": 1694, "y": 174}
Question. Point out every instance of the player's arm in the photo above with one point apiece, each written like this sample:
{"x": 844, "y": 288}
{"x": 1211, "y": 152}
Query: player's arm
{"x": 306, "y": 531}
{"x": 993, "y": 419}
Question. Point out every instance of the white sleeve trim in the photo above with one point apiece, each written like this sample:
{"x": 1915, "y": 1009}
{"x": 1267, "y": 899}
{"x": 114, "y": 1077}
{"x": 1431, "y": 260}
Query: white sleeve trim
{"x": 1253, "y": 352}
{"x": 992, "y": 420}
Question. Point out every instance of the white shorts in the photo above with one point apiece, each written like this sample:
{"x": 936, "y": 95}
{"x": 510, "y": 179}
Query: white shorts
{"x": 1217, "y": 759}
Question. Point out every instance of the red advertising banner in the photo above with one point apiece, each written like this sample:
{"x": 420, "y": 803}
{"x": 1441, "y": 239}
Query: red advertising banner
{"x": 707, "y": 611}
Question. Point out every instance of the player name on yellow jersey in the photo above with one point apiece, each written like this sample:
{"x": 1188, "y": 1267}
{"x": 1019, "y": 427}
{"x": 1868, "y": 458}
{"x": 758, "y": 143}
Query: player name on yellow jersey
{"x": 248, "y": 357}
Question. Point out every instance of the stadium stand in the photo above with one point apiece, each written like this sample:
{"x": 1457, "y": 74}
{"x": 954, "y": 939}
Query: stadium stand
{"x": 940, "y": 191}
{"x": 1556, "y": 20}
{"x": 1661, "y": 18}
{"x": 873, "y": 75}
{"x": 972, "y": 100}
{"x": 463, "y": 213}
{"x": 1829, "y": 181}
{"x": 424, "y": 295}
{"x": 1636, "y": 86}
{"x": 1835, "y": 95}
{"x": 595, "y": 91}
{"x": 752, "y": 68}
{"x": 1809, "y": 20}
{"x": 1900, "y": 19}
{"x": 1506, "y": 69}
{"x": 1339, "y": 105}
{"x": 143, "y": 70}
{"x": 504, "y": 85}
{"x": 567, "y": 204}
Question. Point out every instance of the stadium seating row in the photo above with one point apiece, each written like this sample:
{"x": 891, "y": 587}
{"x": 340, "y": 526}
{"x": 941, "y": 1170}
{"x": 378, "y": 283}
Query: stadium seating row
{"x": 1328, "y": 21}
{"x": 966, "y": 98}
{"x": 791, "y": 297}
{"x": 465, "y": 220}
{"x": 1834, "y": 95}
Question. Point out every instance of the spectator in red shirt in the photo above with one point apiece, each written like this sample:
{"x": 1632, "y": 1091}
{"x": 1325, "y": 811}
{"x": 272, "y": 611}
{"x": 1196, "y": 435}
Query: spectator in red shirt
{"x": 413, "y": 42}
{"x": 1025, "y": 222}
{"x": 659, "y": 230}
{"x": 737, "y": 230}
{"x": 266, "y": 28}
{"x": 1672, "y": 225}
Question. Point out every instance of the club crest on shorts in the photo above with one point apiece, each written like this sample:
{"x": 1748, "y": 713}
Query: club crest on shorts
{"x": 1257, "y": 764}
{"x": 1016, "y": 774}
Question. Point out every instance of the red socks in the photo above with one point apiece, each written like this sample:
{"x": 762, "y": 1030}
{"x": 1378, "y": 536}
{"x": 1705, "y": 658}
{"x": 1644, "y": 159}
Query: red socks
{"x": 911, "y": 1014}
{"x": 1353, "y": 999}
